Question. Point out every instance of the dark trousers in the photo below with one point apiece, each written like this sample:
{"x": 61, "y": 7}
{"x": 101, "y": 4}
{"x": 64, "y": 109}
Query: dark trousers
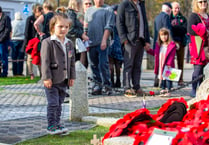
{"x": 133, "y": 55}
{"x": 180, "y": 59}
{"x": 83, "y": 59}
{"x": 114, "y": 65}
{"x": 17, "y": 57}
{"x": 198, "y": 70}
{"x": 55, "y": 97}
{"x": 166, "y": 84}
{"x": 4, "y": 56}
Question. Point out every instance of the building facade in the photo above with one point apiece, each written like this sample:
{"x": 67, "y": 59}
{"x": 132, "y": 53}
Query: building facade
{"x": 23, "y": 6}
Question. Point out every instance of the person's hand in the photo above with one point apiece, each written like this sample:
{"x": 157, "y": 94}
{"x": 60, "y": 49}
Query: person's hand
{"x": 41, "y": 34}
{"x": 125, "y": 42}
{"x": 147, "y": 46}
{"x": 85, "y": 37}
{"x": 48, "y": 83}
{"x": 9, "y": 48}
{"x": 103, "y": 45}
{"x": 70, "y": 82}
{"x": 173, "y": 22}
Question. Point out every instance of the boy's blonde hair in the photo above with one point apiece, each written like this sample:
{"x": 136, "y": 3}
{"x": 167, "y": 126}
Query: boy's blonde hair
{"x": 164, "y": 31}
{"x": 56, "y": 18}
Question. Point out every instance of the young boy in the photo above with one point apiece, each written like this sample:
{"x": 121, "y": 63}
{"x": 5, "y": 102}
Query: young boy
{"x": 58, "y": 69}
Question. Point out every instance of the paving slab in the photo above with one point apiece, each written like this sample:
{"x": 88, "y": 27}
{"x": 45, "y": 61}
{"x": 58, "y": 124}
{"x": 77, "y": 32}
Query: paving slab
{"x": 17, "y": 130}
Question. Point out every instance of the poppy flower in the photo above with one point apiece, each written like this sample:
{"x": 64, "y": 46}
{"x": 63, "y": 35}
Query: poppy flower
{"x": 151, "y": 93}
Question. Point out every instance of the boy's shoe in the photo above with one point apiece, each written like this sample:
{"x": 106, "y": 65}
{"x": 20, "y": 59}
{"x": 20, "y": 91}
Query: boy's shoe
{"x": 62, "y": 129}
{"x": 53, "y": 130}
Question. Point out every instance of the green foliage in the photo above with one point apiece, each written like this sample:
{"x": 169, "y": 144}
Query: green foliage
{"x": 81, "y": 137}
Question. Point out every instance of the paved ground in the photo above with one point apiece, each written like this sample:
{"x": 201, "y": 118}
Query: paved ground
{"x": 23, "y": 107}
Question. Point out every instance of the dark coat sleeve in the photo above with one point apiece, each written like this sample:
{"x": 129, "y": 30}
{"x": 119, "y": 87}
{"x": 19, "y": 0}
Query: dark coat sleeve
{"x": 193, "y": 20}
{"x": 26, "y": 33}
{"x": 7, "y": 30}
{"x": 120, "y": 22}
{"x": 146, "y": 28}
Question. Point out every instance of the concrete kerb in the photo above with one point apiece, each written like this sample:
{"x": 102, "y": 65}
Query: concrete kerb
{"x": 102, "y": 121}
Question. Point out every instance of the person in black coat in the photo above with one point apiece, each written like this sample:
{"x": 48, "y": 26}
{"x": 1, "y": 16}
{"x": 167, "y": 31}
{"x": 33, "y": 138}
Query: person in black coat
{"x": 5, "y": 30}
{"x": 133, "y": 31}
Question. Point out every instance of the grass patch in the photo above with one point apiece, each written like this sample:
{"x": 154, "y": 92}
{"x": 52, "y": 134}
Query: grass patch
{"x": 80, "y": 137}
{"x": 18, "y": 80}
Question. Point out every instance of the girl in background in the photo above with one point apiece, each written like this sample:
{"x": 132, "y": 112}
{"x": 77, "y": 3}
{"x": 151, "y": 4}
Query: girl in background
{"x": 164, "y": 53}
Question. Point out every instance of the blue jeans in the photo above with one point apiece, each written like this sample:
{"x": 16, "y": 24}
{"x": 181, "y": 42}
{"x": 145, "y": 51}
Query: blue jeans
{"x": 17, "y": 57}
{"x": 99, "y": 63}
{"x": 166, "y": 84}
{"x": 198, "y": 70}
{"x": 4, "y": 56}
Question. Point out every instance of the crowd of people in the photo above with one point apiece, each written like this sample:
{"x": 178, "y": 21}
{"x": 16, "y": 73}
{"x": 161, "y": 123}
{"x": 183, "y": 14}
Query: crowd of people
{"x": 115, "y": 34}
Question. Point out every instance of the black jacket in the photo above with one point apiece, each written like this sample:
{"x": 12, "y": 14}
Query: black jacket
{"x": 127, "y": 22}
{"x": 161, "y": 20}
{"x": 5, "y": 27}
{"x": 179, "y": 30}
{"x": 30, "y": 31}
{"x": 76, "y": 29}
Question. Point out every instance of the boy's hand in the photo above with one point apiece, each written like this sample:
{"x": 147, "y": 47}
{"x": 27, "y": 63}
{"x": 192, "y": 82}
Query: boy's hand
{"x": 48, "y": 83}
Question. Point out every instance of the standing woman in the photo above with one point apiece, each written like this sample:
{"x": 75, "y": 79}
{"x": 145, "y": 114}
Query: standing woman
{"x": 198, "y": 25}
{"x": 44, "y": 20}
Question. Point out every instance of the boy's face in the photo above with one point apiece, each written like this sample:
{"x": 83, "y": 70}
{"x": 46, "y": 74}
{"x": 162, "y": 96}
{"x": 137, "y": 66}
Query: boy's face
{"x": 61, "y": 28}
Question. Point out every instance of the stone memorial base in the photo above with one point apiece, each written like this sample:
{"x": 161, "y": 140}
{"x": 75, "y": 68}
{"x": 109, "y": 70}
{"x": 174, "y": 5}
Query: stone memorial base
{"x": 122, "y": 140}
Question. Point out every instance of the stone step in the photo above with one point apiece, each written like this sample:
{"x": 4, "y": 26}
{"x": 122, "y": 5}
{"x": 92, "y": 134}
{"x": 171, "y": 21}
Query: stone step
{"x": 122, "y": 140}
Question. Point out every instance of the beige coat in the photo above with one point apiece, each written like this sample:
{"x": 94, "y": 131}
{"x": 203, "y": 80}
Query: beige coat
{"x": 53, "y": 62}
